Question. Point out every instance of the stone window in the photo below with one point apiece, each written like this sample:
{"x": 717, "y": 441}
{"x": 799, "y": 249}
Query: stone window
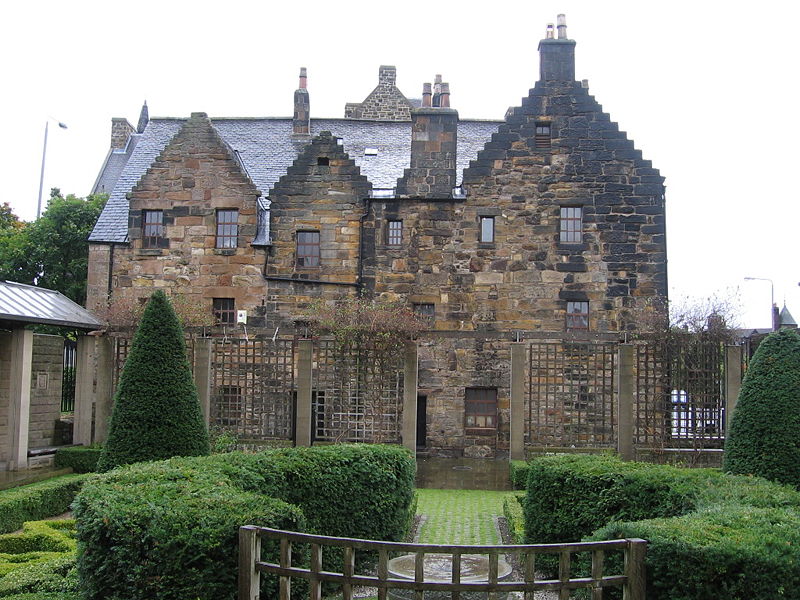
{"x": 480, "y": 408}
{"x": 227, "y": 228}
{"x": 224, "y": 311}
{"x": 153, "y": 229}
{"x": 577, "y": 316}
{"x": 487, "y": 230}
{"x": 542, "y": 137}
{"x": 308, "y": 248}
{"x": 571, "y": 225}
{"x": 323, "y": 161}
{"x": 394, "y": 233}
{"x": 426, "y": 313}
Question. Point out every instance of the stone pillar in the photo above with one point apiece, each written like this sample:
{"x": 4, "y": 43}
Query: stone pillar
{"x": 203, "y": 350}
{"x": 20, "y": 397}
{"x": 302, "y": 424}
{"x": 104, "y": 391}
{"x": 410, "y": 374}
{"x": 518, "y": 355}
{"x": 84, "y": 387}
{"x": 625, "y": 401}
{"x": 733, "y": 382}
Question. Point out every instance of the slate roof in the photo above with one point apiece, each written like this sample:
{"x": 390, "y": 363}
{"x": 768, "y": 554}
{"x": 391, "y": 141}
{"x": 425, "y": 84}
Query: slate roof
{"x": 113, "y": 166}
{"x": 29, "y": 304}
{"x": 266, "y": 149}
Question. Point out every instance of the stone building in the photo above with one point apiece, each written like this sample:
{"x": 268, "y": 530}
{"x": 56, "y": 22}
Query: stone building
{"x": 547, "y": 223}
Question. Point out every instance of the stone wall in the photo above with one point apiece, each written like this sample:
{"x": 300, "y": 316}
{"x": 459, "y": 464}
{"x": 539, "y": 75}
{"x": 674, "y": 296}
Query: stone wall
{"x": 46, "y": 379}
{"x": 322, "y": 192}
{"x": 121, "y": 130}
{"x": 191, "y": 179}
{"x": 385, "y": 103}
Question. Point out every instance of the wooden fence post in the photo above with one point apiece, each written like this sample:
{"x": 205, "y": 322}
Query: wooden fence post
{"x": 636, "y": 586}
{"x": 203, "y": 351}
{"x": 409, "y": 433}
{"x": 625, "y": 402}
{"x": 517, "y": 413}
{"x": 733, "y": 382}
{"x": 249, "y": 553}
{"x": 305, "y": 349}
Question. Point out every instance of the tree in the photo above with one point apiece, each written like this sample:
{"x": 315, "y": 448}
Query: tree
{"x": 156, "y": 410}
{"x": 8, "y": 220}
{"x": 53, "y": 251}
{"x": 764, "y": 437}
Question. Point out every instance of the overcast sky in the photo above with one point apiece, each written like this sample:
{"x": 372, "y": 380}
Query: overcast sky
{"x": 706, "y": 89}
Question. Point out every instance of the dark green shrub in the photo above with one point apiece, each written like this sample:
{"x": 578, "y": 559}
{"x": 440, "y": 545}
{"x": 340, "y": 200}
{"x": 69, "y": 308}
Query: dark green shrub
{"x": 156, "y": 412}
{"x": 515, "y": 518}
{"x": 82, "y": 459}
{"x": 37, "y": 500}
{"x": 518, "y": 473}
{"x": 169, "y": 529}
{"x": 764, "y": 437}
{"x": 710, "y": 534}
{"x": 727, "y": 552}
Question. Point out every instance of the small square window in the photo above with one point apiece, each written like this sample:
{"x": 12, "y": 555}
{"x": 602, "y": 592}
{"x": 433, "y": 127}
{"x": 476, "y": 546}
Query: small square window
{"x": 152, "y": 229}
{"x": 542, "y": 137}
{"x": 426, "y": 313}
{"x": 577, "y": 316}
{"x": 487, "y": 230}
{"x": 227, "y": 228}
{"x": 323, "y": 161}
{"x": 394, "y": 233}
{"x": 224, "y": 311}
{"x": 480, "y": 408}
{"x": 308, "y": 249}
{"x": 571, "y": 225}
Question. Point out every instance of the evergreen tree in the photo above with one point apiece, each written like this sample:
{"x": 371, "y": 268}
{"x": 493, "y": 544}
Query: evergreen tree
{"x": 764, "y": 436}
{"x": 156, "y": 410}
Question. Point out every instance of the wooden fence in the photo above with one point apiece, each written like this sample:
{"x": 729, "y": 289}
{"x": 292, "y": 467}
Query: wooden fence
{"x": 251, "y": 566}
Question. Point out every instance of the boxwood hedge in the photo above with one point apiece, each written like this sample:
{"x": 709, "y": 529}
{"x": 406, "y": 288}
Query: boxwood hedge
{"x": 82, "y": 459}
{"x": 37, "y": 500}
{"x": 169, "y": 529}
{"x": 710, "y": 534}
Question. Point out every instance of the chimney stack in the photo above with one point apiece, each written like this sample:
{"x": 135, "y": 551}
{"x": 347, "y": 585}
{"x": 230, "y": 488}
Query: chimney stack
{"x": 557, "y": 56}
{"x": 121, "y": 130}
{"x": 434, "y": 132}
{"x": 301, "y": 121}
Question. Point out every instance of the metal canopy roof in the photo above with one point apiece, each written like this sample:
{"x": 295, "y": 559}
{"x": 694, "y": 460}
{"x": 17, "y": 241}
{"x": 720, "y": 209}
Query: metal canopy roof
{"x": 29, "y": 304}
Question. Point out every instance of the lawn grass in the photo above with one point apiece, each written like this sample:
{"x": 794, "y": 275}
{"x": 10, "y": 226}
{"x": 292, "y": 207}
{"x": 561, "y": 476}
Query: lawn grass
{"x": 460, "y": 516}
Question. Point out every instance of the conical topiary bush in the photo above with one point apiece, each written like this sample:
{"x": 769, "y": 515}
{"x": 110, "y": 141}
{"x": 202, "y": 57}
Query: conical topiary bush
{"x": 764, "y": 437}
{"x": 156, "y": 412}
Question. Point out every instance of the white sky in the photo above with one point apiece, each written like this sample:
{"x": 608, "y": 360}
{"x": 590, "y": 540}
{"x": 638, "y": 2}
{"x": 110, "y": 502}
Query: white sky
{"x": 706, "y": 89}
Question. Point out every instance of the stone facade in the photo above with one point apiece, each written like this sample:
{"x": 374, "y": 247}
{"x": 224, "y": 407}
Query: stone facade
{"x": 5, "y": 398}
{"x": 46, "y": 379}
{"x": 190, "y": 182}
{"x": 385, "y": 103}
{"x": 557, "y": 229}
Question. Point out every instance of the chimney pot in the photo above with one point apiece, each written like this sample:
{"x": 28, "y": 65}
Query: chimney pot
{"x": 444, "y": 101}
{"x": 562, "y": 26}
{"x": 549, "y": 34}
{"x": 426, "y": 94}
{"x": 303, "y": 78}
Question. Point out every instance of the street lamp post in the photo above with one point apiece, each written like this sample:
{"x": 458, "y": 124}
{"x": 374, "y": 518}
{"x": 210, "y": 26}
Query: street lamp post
{"x": 771, "y": 299}
{"x": 44, "y": 155}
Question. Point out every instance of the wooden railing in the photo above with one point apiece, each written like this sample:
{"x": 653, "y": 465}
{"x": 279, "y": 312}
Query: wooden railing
{"x": 251, "y": 566}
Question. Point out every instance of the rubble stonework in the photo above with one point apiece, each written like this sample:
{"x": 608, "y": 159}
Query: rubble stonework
{"x": 385, "y": 103}
{"x": 488, "y": 255}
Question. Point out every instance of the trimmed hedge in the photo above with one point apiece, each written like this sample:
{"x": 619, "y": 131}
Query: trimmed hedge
{"x": 156, "y": 412}
{"x": 169, "y": 530}
{"x": 82, "y": 459}
{"x": 38, "y": 542}
{"x": 37, "y": 500}
{"x": 515, "y": 518}
{"x": 518, "y": 474}
{"x": 710, "y": 534}
{"x": 55, "y": 576}
{"x": 764, "y": 437}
